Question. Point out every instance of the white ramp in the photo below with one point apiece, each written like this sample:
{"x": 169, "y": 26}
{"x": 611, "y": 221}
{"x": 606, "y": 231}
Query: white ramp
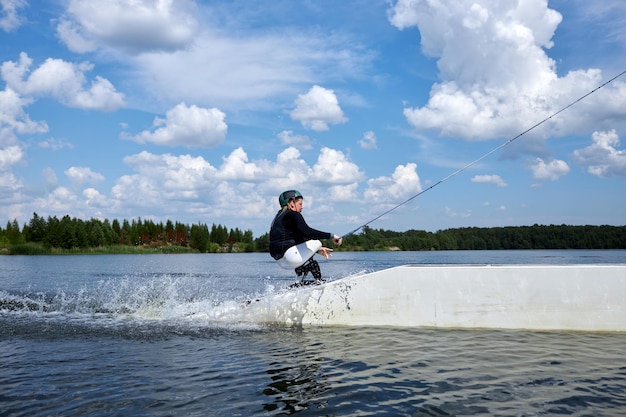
{"x": 542, "y": 297}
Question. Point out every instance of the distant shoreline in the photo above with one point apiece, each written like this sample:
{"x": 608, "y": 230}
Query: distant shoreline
{"x": 75, "y": 237}
{"x": 39, "y": 250}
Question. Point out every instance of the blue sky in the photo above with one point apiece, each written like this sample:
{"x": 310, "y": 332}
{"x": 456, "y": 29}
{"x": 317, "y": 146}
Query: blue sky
{"x": 204, "y": 111}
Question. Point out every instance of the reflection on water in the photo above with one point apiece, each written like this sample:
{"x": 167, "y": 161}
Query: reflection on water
{"x": 294, "y": 388}
{"x": 173, "y": 369}
{"x": 345, "y": 371}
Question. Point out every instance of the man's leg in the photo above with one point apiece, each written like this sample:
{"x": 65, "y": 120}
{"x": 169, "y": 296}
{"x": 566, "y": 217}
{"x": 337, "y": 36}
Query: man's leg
{"x": 311, "y": 266}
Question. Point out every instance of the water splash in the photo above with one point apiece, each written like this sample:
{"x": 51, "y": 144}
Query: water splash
{"x": 177, "y": 301}
{"x": 169, "y": 299}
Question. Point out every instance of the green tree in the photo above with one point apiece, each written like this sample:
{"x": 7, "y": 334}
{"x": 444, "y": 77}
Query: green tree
{"x": 36, "y": 229}
{"x": 199, "y": 237}
{"x": 262, "y": 243}
{"x": 12, "y": 233}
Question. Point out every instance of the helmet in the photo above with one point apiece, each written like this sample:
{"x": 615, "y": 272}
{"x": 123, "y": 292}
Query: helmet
{"x": 287, "y": 196}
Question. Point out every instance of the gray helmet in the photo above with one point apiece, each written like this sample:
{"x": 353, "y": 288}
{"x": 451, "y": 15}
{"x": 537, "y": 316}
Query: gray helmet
{"x": 287, "y": 196}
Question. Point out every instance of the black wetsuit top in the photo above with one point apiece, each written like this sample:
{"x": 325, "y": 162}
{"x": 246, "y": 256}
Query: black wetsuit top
{"x": 289, "y": 229}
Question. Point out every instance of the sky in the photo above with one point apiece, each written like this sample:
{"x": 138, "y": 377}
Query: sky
{"x": 205, "y": 111}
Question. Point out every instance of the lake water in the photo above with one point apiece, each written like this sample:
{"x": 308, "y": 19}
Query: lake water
{"x": 118, "y": 335}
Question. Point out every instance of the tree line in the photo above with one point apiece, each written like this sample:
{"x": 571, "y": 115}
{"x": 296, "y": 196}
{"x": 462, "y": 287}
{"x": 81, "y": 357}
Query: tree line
{"x": 492, "y": 238}
{"x": 70, "y": 233}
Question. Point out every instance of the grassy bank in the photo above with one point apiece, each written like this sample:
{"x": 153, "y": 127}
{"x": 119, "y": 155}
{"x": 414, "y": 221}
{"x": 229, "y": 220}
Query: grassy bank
{"x": 39, "y": 249}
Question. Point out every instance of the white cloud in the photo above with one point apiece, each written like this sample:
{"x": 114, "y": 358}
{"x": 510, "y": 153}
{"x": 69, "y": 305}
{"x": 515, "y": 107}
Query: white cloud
{"x": 69, "y": 33}
{"x": 317, "y": 108}
{"x": 489, "y": 179}
{"x": 63, "y": 201}
{"x": 506, "y": 36}
{"x": 333, "y": 167}
{"x": 133, "y": 26}
{"x": 238, "y": 187}
{"x": 14, "y": 120}
{"x": 343, "y": 193}
{"x": 496, "y": 77}
{"x": 64, "y": 81}
{"x": 9, "y": 156}
{"x": 242, "y": 68}
{"x": 184, "y": 125}
{"x": 164, "y": 177}
{"x": 60, "y": 201}
{"x": 552, "y": 170}
{"x": 368, "y": 141}
{"x": 239, "y": 201}
{"x": 288, "y": 138}
{"x": 213, "y": 46}
{"x": 83, "y": 175}
{"x": 289, "y": 170}
{"x": 403, "y": 184}
{"x": 9, "y": 16}
{"x": 602, "y": 157}
{"x": 55, "y": 144}
{"x": 9, "y": 183}
{"x": 94, "y": 199}
{"x": 237, "y": 168}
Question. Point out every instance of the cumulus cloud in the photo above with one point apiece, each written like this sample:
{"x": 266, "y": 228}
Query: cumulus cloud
{"x": 403, "y": 183}
{"x": 9, "y": 156}
{"x": 489, "y": 179}
{"x": 133, "y": 26}
{"x": 83, "y": 175}
{"x": 342, "y": 193}
{"x": 300, "y": 141}
{"x": 368, "y": 141}
{"x": 93, "y": 198}
{"x": 289, "y": 170}
{"x": 317, "y": 108}
{"x": 8, "y": 184}
{"x": 184, "y": 125}
{"x": 163, "y": 177}
{"x": 211, "y": 189}
{"x": 333, "y": 167}
{"x": 60, "y": 201}
{"x": 9, "y": 14}
{"x": 602, "y": 158}
{"x": 63, "y": 81}
{"x": 237, "y": 168}
{"x": 496, "y": 77}
{"x": 14, "y": 120}
{"x": 551, "y": 171}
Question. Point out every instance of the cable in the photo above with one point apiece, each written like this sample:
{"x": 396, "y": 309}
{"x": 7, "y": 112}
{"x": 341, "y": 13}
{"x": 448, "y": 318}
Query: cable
{"x": 485, "y": 155}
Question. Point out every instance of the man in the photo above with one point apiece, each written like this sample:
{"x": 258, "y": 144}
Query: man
{"x": 293, "y": 243}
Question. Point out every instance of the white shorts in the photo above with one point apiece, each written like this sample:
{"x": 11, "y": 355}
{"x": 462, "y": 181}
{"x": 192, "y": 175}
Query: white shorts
{"x": 299, "y": 254}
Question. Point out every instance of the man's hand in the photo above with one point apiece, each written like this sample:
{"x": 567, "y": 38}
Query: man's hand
{"x": 325, "y": 252}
